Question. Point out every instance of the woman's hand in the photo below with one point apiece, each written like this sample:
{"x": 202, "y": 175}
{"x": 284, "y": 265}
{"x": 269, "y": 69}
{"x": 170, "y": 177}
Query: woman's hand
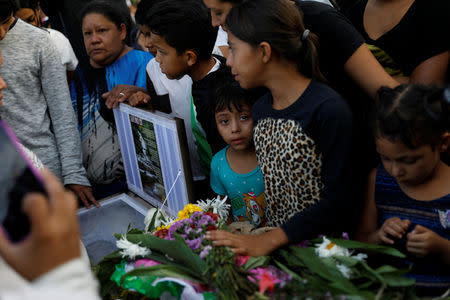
{"x": 120, "y": 93}
{"x": 252, "y": 245}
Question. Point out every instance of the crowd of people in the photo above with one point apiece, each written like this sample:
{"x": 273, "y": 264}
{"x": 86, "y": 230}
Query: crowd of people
{"x": 312, "y": 119}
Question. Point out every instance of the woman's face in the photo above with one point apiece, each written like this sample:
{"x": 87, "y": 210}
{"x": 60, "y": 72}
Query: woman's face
{"x": 219, "y": 11}
{"x": 245, "y": 62}
{"x": 104, "y": 42}
{"x": 30, "y": 16}
{"x": 2, "y": 82}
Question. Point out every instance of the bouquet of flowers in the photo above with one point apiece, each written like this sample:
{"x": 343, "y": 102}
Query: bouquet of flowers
{"x": 173, "y": 258}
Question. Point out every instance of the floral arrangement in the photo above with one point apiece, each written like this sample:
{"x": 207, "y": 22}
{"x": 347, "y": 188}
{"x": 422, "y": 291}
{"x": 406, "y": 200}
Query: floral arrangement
{"x": 172, "y": 257}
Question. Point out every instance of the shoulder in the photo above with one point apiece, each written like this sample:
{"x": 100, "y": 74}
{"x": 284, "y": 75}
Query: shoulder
{"x": 31, "y": 32}
{"x": 219, "y": 159}
{"x": 140, "y": 55}
{"x": 327, "y": 105}
{"x": 262, "y": 106}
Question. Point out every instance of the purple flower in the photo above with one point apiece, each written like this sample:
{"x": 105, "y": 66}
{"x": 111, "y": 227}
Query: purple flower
{"x": 205, "y": 251}
{"x": 303, "y": 244}
{"x": 195, "y": 243}
{"x": 345, "y": 236}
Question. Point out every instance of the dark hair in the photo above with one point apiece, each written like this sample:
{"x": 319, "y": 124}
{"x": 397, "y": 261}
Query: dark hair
{"x": 184, "y": 24}
{"x": 143, "y": 9}
{"x": 114, "y": 13}
{"x": 32, "y": 4}
{"x": 228, "y": 93}
{"x": 414, "y": 115}
{"x": 7, "y": 8}
{"x": 231, "y": 1}
{"x": 279, "y": 23}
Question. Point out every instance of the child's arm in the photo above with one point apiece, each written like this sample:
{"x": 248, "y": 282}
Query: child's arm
{"x": 423, "y": 242}
{"x": 367, "y": 230}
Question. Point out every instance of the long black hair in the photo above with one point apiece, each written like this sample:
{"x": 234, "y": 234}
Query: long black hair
{"x": 279, "y": 23}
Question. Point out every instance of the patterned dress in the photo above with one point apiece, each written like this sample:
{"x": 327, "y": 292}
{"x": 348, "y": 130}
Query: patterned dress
{"x": 431, "y": 275}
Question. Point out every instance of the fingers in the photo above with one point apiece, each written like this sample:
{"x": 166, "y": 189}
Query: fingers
{"x": 6, "y": 247}
{"x": 90, "y": 196}
{"x": 79, "y": 193}
{"x": 115, "y": 96}
{"x": 37, "y": 207}
{"x": 138, "y": 98}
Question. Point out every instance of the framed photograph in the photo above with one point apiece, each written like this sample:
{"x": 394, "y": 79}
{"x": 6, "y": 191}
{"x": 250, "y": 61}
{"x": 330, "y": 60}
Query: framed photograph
{"x": 155, "y": 157}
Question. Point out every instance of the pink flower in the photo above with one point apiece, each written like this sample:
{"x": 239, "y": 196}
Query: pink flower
{"x": 268, "y": 277}
{"x": 146, "y": 263}
{"x": 241, "y": 260}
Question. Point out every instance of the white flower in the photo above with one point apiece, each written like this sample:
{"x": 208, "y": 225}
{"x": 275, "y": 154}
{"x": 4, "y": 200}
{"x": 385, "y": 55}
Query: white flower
{"x": 216, "y": 205}
{"x": 360, "y": 256}
{"x": 161, "y": 218}
{"x": 344, "y": 270}
{"x": 328, "y": 248}
{"x": 128, "y": 249}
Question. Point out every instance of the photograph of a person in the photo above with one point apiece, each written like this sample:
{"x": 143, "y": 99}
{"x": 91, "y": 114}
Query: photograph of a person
{"x": 147, "y": 156}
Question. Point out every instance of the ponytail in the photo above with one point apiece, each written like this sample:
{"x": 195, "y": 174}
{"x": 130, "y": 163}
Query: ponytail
{"x": 279, "y": 23}
{"x": 308, "y": 57}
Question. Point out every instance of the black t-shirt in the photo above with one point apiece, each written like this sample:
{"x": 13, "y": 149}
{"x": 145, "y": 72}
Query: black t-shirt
{"x": 423, "y": 32}
{"x": 304, "y": 155}
{"x": 338, "y": 40}
{"x": 202, "y": 91}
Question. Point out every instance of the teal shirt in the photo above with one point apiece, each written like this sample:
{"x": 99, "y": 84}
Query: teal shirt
{"x": 245, "y": 191}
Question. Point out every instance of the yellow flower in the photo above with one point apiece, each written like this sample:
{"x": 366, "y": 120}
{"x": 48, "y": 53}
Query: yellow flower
{"x": 187, "y": 211}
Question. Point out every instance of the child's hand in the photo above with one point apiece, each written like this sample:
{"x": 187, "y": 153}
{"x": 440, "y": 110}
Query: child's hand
{"x": 423, "y": 241}
{"x": 393, "y": 227}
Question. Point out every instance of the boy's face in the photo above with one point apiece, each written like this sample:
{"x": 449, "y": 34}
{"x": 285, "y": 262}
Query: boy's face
{"x": 408, "y": 166}
{"x": 236, "y": 127}
{"x": 172, "y": 64}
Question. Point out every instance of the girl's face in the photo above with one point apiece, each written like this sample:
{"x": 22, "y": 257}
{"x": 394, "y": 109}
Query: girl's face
{"x": 219, "y": 11}
{"x": 236, "y": 127}
{"x": 409, "y": 167}
{"x": 245, "y": 62}
{"x": 30, "y": 16}
{"x": 104, "y": 42}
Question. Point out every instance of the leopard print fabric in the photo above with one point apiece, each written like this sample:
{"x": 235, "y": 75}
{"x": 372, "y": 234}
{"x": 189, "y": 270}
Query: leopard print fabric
{"x": 291, "y": 165}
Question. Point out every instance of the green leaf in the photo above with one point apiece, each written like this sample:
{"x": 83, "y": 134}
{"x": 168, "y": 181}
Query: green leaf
{"x": 159, "y": 271}
{"x": 288, "y": 271}
{"x": 347, "y": 261}
{"x": 255, "y": 262}
{"x": 151, "y": 226}
{"x": 177, "y": 250}
{"x": 386, "y": 269}
{"x": 325, "y": 268}
{"x": 350, "y": 244}
{"x": 398, "y": 281}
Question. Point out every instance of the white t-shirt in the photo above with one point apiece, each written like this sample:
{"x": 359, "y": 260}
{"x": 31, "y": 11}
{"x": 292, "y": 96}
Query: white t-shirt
{"x": 222, "y": 40}
{"x": 180, "y": 100}
{"x": 62, "y": 44}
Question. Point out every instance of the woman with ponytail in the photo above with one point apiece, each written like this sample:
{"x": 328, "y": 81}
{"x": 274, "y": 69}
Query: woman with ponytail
{"x": 302, "y": 128}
